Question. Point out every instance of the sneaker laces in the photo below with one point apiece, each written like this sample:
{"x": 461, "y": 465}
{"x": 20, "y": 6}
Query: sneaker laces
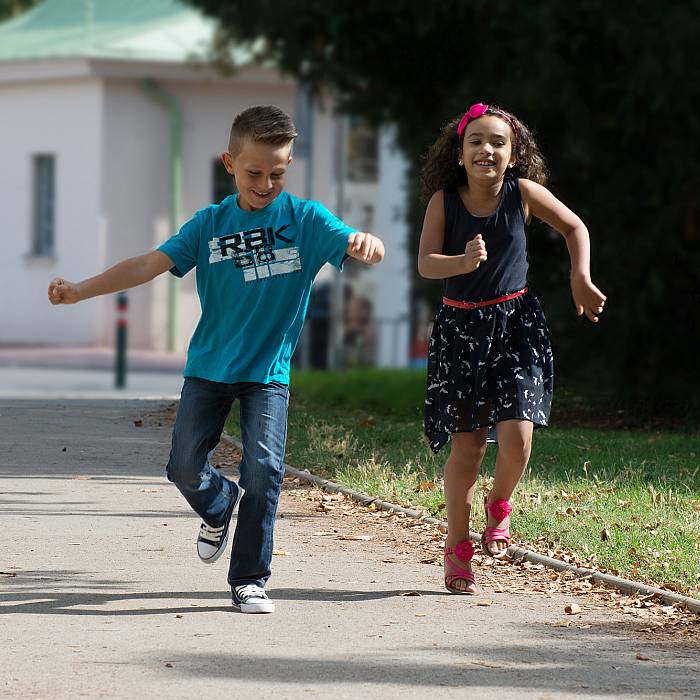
{"x": 211, "y": 534}
{"x": 250, "y": 590}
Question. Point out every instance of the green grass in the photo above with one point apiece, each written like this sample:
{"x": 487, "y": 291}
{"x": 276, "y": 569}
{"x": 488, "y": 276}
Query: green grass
{"x": 626, "y": 500}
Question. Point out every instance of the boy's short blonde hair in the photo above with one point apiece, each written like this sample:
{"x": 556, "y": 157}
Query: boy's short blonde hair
{"x": 262, "y": 124}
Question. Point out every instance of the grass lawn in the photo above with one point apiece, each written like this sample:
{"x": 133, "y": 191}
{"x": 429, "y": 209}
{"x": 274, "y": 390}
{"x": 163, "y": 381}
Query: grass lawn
{"x": 624, "y": 499}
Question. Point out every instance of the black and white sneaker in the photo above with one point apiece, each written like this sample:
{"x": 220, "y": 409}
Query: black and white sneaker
{"x": 211, "y": 542}
{"x": 251, "y": 598}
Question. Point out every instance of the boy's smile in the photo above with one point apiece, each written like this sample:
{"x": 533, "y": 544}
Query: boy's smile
{"x": 260, "y": 170}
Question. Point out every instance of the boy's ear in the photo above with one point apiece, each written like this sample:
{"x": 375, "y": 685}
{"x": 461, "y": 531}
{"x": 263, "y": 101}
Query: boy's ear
{"x": 227, "y": 161}
{"x": 289, "y": 162}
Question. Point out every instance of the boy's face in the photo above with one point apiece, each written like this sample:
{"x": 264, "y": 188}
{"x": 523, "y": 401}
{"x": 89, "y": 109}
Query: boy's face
{"x": 260, "y": 170}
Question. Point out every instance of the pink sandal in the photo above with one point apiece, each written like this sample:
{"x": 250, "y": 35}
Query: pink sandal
{"x": 464, "y": 551}
{"x": 500, "y": 510}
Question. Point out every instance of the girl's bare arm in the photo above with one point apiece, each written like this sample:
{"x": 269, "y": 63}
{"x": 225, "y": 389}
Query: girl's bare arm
{"x": 432, "y": 264}
{"x": 540, "y": 202}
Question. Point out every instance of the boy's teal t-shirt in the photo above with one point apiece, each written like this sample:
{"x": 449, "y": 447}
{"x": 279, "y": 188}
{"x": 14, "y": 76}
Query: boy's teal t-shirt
{"x": 254, "y": 276}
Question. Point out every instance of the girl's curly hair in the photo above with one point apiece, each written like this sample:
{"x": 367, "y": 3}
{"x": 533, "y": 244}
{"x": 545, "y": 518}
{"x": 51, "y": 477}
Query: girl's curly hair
{"x": 441, "y": 170}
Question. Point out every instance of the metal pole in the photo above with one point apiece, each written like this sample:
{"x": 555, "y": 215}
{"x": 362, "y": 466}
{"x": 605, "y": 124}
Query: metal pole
{"x": 303, "y": 148}
{"x": 121, "y": 338}
{"x": 171, "y": 103}
{"x": 337, "y": 298}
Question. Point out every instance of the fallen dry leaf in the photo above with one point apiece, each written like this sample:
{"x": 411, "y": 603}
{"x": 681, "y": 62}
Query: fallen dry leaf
{"x": 410, "y": 593}
{"x": 7, "y": 573}
{"x": 354, "y": 538}
{"x": 572, "y": 609}
{"x": 138, "y": 423}
{"x": 279, "y": 553}
{"x": 605, "y": 534}
{"x": 484, "y": 603}
{"x": 487, "y": 664}
{"x": 640, "y": 657}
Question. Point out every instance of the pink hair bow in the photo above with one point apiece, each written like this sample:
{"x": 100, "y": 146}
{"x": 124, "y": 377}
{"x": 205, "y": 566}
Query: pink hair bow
{"x": 474, "y": 112}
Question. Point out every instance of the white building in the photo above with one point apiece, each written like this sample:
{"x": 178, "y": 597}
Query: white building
{"x": 112, "y": 123}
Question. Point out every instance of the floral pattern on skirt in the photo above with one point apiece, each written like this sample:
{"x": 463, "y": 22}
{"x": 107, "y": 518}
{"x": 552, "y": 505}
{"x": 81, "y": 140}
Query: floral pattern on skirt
{"x": 488, "y": 365}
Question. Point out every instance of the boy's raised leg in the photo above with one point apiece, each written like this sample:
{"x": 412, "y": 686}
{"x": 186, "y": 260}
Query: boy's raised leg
{"x": 203, "y": 409}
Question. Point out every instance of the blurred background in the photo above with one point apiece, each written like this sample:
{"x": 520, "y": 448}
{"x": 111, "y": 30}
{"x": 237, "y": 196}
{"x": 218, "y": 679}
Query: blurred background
{"x": 114, "y": 113}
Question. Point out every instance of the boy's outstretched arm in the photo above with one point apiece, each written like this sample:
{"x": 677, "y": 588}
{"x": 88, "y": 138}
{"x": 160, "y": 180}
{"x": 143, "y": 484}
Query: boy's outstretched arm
{"x": 365, "y": 247}
{"x": 125, "y": 274}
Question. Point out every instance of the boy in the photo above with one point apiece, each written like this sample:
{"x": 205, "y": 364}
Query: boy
{"x": 256, "y": 256}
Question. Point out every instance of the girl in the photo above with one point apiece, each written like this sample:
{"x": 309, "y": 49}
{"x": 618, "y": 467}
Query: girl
{"x": 490, "y": 361}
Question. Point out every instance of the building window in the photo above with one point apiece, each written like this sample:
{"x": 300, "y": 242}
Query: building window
{"x": 362, "y": 151}
{"x": 44, "y": 209}
{"x": 223, "y": 184}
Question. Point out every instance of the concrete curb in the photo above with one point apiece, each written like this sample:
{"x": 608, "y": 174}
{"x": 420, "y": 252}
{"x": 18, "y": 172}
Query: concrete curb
{"x": 517, "y": 553}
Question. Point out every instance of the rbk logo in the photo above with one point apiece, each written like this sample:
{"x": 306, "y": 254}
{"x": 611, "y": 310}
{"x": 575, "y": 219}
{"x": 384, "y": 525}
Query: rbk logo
{"x": 247, "y": 247}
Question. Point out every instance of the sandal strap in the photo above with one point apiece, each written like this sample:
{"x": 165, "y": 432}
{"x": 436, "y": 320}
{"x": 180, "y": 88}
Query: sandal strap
{"x": 456, "y": 572}
{"x": 492, "y": 534}
{"x": 462, "y": 576}
{"x": 463, "y": 552}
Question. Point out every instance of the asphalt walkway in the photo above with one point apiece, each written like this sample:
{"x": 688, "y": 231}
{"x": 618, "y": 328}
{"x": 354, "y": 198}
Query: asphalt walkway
{"x": 102, "y": 595}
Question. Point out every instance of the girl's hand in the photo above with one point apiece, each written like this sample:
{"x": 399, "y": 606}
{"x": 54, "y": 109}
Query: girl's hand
{"x": 475, "y": 253}
{"x": 588, "y": 298}
{"x": 62, "y": 291}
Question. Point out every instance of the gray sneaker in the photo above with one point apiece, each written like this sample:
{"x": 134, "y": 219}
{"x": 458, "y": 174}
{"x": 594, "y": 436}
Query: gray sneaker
{"x": 251, "y": 598}
{"x": 211, "y": 542}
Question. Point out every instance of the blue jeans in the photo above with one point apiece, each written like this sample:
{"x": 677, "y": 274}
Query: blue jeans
{"x": 204, "y": 407}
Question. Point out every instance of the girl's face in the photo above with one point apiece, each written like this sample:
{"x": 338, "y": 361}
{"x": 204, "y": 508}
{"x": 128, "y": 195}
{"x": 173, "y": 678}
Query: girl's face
{"x": 487, "y": 149}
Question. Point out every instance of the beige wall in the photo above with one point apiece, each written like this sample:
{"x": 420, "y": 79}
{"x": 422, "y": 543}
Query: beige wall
{"x": 60, "y": 118}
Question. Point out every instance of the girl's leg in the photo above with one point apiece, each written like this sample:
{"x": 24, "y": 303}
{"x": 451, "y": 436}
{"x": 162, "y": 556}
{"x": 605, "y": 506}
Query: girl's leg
{"x": 461, "y": 470}
{"x": 514, "y": 446}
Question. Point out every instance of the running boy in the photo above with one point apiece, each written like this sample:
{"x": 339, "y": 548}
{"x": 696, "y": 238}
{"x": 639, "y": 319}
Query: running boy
{"x": 256, "y": 256}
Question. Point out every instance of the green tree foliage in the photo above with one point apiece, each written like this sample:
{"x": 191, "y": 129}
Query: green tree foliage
{"x": 10, "y": 8}
{"x": 613, "y": 93}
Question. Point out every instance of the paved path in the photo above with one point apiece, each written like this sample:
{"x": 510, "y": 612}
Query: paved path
{"x": 110, "y": 600}
{"x": 77, "y": 372}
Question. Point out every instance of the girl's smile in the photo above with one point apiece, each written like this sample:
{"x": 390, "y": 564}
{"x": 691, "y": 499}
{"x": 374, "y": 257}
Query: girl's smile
{"x": 487, "y": 148}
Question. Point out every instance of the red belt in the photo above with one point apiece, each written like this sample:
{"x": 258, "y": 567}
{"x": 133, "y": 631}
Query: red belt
{"x": 477, "y": 304}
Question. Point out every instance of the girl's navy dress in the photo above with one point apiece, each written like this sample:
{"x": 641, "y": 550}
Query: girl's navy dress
{"x": 493, "y": 363}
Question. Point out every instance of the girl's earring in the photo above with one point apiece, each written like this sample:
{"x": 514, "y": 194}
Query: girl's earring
{"x": 460, "y": 162}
